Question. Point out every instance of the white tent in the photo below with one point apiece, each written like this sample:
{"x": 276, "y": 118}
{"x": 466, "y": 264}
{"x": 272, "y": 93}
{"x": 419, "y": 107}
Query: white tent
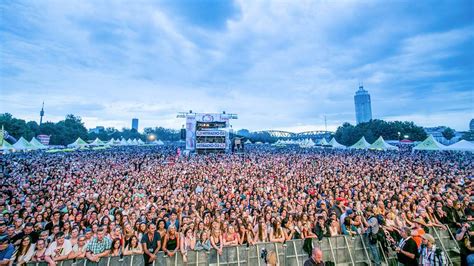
{"x": 380, "y": 144}
{"x": 140, "y": 142}
{"x": 37, "y": 143}
{"x": 97, "y": 142}
{"x": 323, "y": 142}
{"x": 158, "y": 142}
{"x": 462, "y": 145}
{"x": 362, "y": 144}
{"x": 79, "y": 143}
{"x": 336, "y": 145}
{"x": 23, "y": 144}
{"x": 6, "y": 146}
{"x": 248, "y": 142}
{"x": 111, "y": 142}
{"x": 429, "y": 144}
{"x": 123, "y": 142}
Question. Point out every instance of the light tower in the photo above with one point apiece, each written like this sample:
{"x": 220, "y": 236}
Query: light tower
{"x": 41, "y": 114}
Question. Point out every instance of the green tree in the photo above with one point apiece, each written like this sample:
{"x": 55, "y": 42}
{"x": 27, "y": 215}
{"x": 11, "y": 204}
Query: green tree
{"x": 348, "y": 134}
{"x": 448, "y": 133}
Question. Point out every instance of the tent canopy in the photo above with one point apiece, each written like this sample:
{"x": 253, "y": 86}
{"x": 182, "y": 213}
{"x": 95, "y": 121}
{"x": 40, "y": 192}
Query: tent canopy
{"x": 97, "y": 142}
{"x": 430, "y": 144}
{"x": 333, "y": 142}
{"x": 462, "y": 145}
{"x": 323, "y": 142}
{"x": 380, "y": 144}
{"x": 361, "y": 144}
{"x": 37, "y": 143}
{"x": 23, "y": 144}
{"x": 6, "y": 146}
{"x": 78, "y": 143}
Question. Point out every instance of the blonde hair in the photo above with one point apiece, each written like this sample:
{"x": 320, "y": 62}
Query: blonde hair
{"x": 272, "y": 258}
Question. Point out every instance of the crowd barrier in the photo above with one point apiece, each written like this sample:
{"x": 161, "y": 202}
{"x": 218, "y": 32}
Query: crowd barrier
{"x": 342, "y": 250}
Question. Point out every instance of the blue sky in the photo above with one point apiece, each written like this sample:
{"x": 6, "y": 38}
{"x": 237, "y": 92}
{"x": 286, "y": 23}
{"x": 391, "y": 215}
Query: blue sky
{"x": 278, "y": 64}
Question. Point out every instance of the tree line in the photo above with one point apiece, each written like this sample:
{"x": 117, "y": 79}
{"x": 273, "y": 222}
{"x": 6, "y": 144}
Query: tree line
{"x": 66, "y": 131}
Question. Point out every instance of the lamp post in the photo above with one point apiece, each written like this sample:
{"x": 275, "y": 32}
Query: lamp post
{"x": 399, "y": 136}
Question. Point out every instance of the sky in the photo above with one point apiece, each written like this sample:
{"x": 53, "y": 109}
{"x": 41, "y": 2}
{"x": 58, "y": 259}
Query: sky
{"x": 279, "y": 64}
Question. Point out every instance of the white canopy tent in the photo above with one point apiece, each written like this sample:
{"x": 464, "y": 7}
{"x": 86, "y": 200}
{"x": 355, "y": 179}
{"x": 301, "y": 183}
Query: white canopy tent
{"x": 429, "y": 144}
{"x": 462, "y": 145}
{"x": 97, "y": 142}
{"x": 37, "y": 143}
{"x": 336, "y": 145}
{"x": 362, "y": 144}
{"x": 22, "y": 144}
{"x": 380, "y": 144}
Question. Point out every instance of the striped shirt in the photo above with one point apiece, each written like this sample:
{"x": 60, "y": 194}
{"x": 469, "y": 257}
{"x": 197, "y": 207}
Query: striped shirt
{"x": 432, "y": 256}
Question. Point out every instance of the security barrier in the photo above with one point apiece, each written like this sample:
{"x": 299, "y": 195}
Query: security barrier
{"x": 342, "y": 250}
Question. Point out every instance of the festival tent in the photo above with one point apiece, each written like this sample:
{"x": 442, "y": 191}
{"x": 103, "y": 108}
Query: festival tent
{"x": 6, "y": 146}
{"x": 462, "y": 145}
{"x": 248, "y": 142}
{"x": 323, "y": 142}
{"x": 37, "y": 144}
{"x": 333, "y": 142}
{"x": 111, "y": 142}
{"x": 380, "y": 144}
{"x": 123, "y": 142}
{"x": 79, "y": 143}
{"x": 23, "y": 144}
{"x": 429, "y": 144}
{"x": 140, "y": 142}
{"x": 362, "y": 144}
{"x": 158, "y": 142}
{"x": 97, "y": 142}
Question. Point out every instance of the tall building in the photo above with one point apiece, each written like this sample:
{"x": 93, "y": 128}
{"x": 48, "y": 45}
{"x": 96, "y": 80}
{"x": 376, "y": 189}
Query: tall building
{"x": 135, "y": 124}
{"x": 41, "y": 114}
{"x": 363, "y": 107}
{"x": 471, "y": 125}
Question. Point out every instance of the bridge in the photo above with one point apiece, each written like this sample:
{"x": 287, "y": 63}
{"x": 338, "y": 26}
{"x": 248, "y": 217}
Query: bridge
{"x": 315, "y": 134}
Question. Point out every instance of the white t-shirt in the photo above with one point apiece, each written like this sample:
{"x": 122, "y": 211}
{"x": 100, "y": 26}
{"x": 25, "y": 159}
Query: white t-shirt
{"x": 77, "y": 249}
{"x": 53, "y": 250}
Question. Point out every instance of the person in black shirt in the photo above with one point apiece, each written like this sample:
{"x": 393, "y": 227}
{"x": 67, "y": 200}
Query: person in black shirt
{"x": 316, "y": 259}
{"x": 27, "y": 231}
{"x": 407, "y": 250}
{"x": 55, "y": 221}
{"x": 151, "y": 242}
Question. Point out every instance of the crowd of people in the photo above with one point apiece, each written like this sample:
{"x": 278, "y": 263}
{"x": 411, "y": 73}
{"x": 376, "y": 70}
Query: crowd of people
{"x": 145, "y": 200}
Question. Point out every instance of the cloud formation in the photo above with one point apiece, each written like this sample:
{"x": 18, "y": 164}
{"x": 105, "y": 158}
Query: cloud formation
{"x": 278, "y": 64}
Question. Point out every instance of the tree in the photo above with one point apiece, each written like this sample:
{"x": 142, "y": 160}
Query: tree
{"x": 348, "y": 134}
{"x": 448, "y": 133}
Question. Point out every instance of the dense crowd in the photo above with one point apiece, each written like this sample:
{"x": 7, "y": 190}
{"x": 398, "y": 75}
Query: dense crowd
{"x": 143, "y": 200}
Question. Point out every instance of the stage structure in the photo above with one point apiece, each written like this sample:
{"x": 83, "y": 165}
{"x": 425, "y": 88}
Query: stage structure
{"x": 206, "y": 132}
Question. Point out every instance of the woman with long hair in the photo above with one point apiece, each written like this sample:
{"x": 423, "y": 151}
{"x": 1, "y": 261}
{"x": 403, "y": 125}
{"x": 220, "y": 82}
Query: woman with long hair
{"x": 116, "y": 248}
{"x": 25, "y": 251}
{"x": 216, "y": 240}
{"x": 261, "y": 234}
{"x": 277, "y": 235}
{"x": 132, "y": 247}
{"x": 188, "y": 242}
{"x": 204, "y": 243}
{"x": 231, "y": 237}
{"x": 171, "y": 242}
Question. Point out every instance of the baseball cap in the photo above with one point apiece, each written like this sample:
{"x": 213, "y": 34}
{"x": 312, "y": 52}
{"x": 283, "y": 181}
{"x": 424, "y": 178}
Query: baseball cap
{"x": 3, "y": 239}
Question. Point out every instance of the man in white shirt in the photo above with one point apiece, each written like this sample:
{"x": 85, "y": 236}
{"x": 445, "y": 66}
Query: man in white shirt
{"x": 60, "y": 248}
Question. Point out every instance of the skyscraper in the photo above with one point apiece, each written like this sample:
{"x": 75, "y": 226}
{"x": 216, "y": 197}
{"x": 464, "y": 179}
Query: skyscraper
{"x": 135, "y": 124}
{"x": 363, "y": 108}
